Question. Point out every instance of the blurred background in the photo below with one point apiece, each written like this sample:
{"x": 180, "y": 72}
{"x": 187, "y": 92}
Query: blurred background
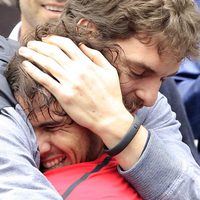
{"x": 9, "y": 16}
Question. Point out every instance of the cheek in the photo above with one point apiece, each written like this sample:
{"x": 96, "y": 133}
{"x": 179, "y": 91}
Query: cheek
{"x": 127, "y": 84}
{"x": 75, "y": 137}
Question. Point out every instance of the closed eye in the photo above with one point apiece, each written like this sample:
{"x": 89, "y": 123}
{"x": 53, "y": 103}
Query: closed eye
{"x": 57, "y": 125}
{"x": 135, "y": 75}
{"x": 52, "y": 128}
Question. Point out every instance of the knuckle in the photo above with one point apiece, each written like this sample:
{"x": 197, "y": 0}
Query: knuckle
{"x": 77, "y": 86}
{"x": 68, "y": 98}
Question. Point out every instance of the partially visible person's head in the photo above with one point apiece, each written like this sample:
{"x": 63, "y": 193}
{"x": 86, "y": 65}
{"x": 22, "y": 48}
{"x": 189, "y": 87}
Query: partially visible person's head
{"x": 37, "y": 12}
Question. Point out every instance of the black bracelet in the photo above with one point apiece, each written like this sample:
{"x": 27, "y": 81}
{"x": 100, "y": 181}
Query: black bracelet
{"x": 126, "y": 140}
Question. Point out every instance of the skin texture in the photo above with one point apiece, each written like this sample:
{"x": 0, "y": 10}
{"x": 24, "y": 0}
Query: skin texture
{"x": 35, "y": 12}
{"x": 61, "y": 141}
{"x": 106, "y": 117}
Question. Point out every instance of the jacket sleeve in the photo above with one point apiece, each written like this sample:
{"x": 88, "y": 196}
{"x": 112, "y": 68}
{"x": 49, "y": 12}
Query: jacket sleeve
{"x": 166, "y": 170}
{"x": 188, "y": 83}
{"x": 19, "y": 160}
{"x": 8, "y": 48}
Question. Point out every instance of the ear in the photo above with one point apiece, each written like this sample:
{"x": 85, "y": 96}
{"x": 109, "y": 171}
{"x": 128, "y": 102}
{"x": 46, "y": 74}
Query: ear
{"x": 89, "y": 26}
{"x": 86, "y": 23}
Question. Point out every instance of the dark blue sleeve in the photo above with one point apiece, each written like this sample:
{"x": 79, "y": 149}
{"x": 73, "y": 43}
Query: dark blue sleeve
{"x": 169, "y": 89}
{"x": 7, "y": 50}
{"x": 188, "y": 83}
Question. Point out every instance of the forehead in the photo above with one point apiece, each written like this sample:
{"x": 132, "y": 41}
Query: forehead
{"x": 147, "y": 56}
{"x": 54, "y": 114}
{"x": 39, "y": 117}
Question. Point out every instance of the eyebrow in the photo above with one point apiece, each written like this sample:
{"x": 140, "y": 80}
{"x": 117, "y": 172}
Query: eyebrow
{"x": 139, "y": 64}
{"x": 146, "y": 67}
{"x": 48, "y": 123}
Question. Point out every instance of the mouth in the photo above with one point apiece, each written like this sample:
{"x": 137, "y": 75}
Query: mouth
{"x": 53, "y": 162}
{"x": 54, "y": 8}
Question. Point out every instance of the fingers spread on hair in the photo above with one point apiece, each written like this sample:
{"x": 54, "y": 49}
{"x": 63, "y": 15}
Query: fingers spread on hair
{"x": 42, "y": 78}
{"x": 51, "y": 51}
{"x": 68, "y": 46}
{"x": 45, "y": 63}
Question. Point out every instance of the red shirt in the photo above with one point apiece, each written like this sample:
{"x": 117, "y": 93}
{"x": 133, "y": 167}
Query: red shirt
{"x": 94, "y": 180}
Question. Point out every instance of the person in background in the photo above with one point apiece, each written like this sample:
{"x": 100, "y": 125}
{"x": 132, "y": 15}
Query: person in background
{"x": 170, "y": 90}
{"x": 9, "y": 15}
{"x": 35, "y": 12}
{"x": 8, "y": 2}
{"x": 187, "y": 80}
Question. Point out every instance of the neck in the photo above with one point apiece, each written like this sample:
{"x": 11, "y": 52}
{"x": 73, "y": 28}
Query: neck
{"x": 25, "y": 28}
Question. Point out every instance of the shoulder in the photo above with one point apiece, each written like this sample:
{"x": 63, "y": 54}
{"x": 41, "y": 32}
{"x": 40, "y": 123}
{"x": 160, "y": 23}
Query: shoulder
{"x": 8, "y": 48}
{"x": 159, "y": 117}
{"x": 161, "y": 106}
{"x": 16, "y": 132}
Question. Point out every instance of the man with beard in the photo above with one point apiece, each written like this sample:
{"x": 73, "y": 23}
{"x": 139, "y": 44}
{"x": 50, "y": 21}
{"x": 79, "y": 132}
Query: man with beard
{"x": 136, "y": 37}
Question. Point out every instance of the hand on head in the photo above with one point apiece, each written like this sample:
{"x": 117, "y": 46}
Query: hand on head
{"x": 82, "y": 80}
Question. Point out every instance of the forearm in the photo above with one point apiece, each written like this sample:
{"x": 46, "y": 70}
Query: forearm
{"x": 164, "y": 172}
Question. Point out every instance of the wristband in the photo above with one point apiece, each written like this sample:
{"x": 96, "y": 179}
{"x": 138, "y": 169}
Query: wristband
{"x": 126, "y": 140}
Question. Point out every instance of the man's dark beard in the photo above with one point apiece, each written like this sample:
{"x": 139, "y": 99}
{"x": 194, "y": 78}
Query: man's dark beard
{"x": 132, "y": 103}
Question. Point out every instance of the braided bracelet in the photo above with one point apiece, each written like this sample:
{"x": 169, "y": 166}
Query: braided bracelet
{"x": 126, "y": 140}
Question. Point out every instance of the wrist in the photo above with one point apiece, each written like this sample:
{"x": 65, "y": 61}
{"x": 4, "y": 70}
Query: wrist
{"x": 132, "y": 153}
{"x": 115, "y": 128}
{"x": 126, "y": 139}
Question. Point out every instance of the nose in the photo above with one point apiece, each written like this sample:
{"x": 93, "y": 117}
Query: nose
{"x": 148, "y": 91}
{"x": 45, "y": 148}
{"x": 44, "y": 142}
